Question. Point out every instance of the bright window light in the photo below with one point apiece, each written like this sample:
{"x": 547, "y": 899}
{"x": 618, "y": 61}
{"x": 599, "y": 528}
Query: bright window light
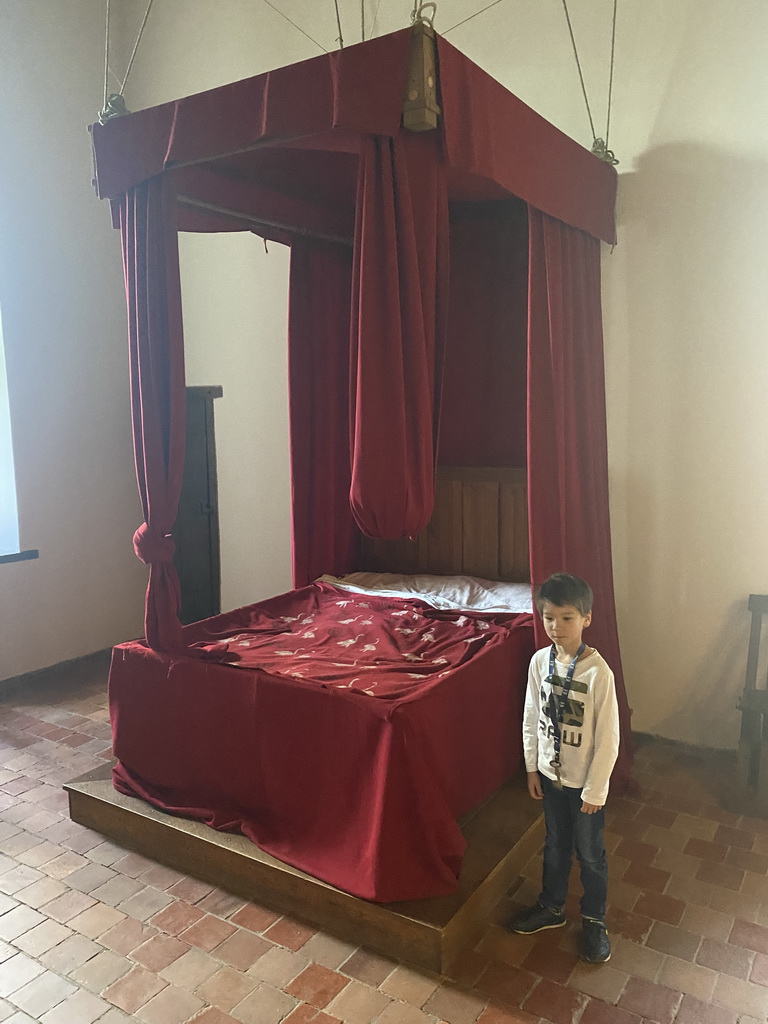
{"x": 9, "y": 516}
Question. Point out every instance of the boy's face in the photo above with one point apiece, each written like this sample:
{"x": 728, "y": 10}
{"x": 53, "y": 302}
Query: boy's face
{"x": 564, "y": 625}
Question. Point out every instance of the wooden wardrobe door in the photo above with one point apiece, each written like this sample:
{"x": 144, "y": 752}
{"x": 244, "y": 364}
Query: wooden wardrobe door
{"x": 196, "y": 532}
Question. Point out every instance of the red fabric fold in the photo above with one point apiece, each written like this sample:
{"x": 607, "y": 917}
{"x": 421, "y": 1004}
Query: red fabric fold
{"x": 567, "y": 445}
{"x": 399, "y": 294}
{"x": 156, "y": 346}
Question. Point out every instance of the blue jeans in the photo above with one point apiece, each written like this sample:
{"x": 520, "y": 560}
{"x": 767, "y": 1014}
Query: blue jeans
{"x": 569, "y": 829}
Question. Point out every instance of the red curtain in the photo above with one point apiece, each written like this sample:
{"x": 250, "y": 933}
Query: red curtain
{"x": 397, "y": 331}
{"x": 567, "y": 447}
{"x": 324, "y": 531}
{"x": 156, "y": 343}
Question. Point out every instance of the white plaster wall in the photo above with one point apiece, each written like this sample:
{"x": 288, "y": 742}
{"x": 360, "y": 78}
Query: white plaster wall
{"x": 63, "y": 313}
{"x": 683, "y": 299}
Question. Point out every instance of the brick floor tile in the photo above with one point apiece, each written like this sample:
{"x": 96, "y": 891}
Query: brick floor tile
{"x": 278, "y": 966}
{"x": 599, "y": 1012}
{"x": 102, "y": 970}
{"x": 42, "y": 994}
{"x": 410, "y": 986}
{"x": 690, "y": 978}
{"x": 221, "y": 903}
{"x": 402, "y": 1013}
{"x": 367, "y": 967}
{"x": 327, "y": 950}
{"x": 89, "y": 877}
{"x": 696, "y": 1011}
{"x": 126, "y": 936}
{"x": 65, "y": 865}
{"x": 207, "y": 933}
{"x": 759, "y": 972}
{"x": 161, "y": 877}
{"x": 628, "y": 924}
{"x": 145, "y": 904}
{"x": 673, "y": 941}
{"x": 68, "y": 905}
{"x": 80, "y": 1008}
{"x": 691, "y": 825}
{"x": 40, "y": 853}
{"x": 213, "y": 1016}
{"x": 316, "y": 985}
{"x": 725, "y": 958}
{"x": 646, "y": 877}
{"x": 506, "y": 1015}
{"x": 659, "y": 907}
{"x": 503, "y": 984}
{"x": 737, "y": 904}
{"x": 40, "y": 892}
{"x": 191, "y": 969}
{"x": 133, "y": 864}
{"x": 43, "y": 937}
{"x": 638, "y": 961}
{"x": 721, "y": 875}
{"x": 158, "y": 952}
{"x": 177, "y": 916}
{"x": 751, "y": 936}
{"x": 190, "y": 890}
{"x": 18, "y": 878}
{"x": 116, "y": 889}
{"x": 17, "y": 921}
{"x": 115, "y": 1016}
{"x": 265, "y": 1005}
{"x": 17, "y": 971}
{"x": 106, "y": 854}
{"x": 360, "y": 1004}
{"x": 70, "y": 953}
{"x": 712, "y": 924}
{"x": 171, "y": 1006}
{"x": 656, "y": 1002}
{"x": 242, "y": 949}
{"x": 548, "y": 960}
{"x": 635, "y": 850}
{"x": 605, "y": 983}
{"x": 706, "y": 850}
{"x": 290, "y": 933}
{"x": 254, "y": 917}
{"x": 739, "y": 995}
{"x": 561, "y": 1005}
{"x": 226, "y": 988}
{"x": 734, "y": 837}
{"x": 96, "y": 920}
{"x": 134, "y": 989}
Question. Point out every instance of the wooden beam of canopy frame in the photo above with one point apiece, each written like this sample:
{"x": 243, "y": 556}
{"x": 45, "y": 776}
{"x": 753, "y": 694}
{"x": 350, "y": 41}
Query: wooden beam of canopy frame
{"x": 259, "y": 223}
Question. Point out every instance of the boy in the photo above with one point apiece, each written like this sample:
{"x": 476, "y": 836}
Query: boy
{"x": 570, "y": 741}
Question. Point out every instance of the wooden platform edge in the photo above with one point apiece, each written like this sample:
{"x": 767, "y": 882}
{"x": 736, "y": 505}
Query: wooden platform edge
{"x": 235, "y": 864}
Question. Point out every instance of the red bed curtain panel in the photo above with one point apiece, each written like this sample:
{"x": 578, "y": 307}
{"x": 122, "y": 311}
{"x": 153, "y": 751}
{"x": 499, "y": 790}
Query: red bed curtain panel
{"x": 324, "y": 531}
{"x": 397, "y": 331}
{"x": 567, "y": 447}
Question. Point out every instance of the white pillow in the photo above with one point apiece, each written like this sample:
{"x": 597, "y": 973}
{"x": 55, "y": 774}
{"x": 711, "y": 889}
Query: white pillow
{"x": 461, "y": 593}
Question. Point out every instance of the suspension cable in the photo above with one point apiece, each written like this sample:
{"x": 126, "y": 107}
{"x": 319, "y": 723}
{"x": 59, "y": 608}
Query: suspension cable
{"x": 578, "y": 65}
{"x": 340, "y": 38}
{"x": 106, "y": 59}
{"x": 610, "y": 80}
{"x": 136, "y": 47}
{"x": 375, "y": 18}
{"x": 481, "y": 11}
{"x": 278, "y": 11}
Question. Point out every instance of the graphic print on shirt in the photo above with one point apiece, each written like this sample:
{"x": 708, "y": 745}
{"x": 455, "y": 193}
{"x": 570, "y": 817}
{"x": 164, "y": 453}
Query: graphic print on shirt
{"x": 573, "y": 714}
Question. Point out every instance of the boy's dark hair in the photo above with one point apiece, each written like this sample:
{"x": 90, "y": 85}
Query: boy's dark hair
{"x": 562, "y": 588}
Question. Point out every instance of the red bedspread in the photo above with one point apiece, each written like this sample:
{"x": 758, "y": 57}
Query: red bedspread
{"x": 345, "y": 737}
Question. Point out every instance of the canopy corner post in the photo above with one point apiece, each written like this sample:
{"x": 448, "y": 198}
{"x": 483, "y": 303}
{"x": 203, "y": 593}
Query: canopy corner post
{"x": 420, "y": 108}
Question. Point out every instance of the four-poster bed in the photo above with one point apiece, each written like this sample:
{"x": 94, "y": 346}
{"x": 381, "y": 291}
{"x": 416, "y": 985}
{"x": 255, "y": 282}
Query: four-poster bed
{"x": 444, "y": 310}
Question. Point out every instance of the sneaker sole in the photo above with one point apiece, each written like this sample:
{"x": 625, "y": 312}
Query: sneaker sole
{"x": 605, "y": 961}
{"x": 543, "y": 928}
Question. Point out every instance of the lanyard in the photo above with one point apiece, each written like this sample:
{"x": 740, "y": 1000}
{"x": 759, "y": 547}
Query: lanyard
{"x": 557, "y": 706}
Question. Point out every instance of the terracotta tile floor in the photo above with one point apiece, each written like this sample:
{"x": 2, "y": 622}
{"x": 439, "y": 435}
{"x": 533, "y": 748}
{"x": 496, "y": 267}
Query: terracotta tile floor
{"x": 92, "y": 933}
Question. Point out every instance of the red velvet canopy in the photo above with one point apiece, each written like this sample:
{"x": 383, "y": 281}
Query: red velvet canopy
{"x": 430, "y": 273}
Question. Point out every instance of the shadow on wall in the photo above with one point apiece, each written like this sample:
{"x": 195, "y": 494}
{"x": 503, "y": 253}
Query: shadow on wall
{"x": 694, "y": 223}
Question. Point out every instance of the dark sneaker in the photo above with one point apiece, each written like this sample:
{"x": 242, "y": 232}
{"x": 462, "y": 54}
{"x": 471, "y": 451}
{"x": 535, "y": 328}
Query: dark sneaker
{"x": 595, "y": 944}
{"x": 536, "y": 919}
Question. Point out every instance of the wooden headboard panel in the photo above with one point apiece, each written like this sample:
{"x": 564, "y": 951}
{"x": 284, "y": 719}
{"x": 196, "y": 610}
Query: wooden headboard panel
{"x": 479, "y": 528}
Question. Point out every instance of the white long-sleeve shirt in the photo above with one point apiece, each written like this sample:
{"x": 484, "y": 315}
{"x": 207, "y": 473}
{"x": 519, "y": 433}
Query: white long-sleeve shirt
{"x": 589, "y": 730}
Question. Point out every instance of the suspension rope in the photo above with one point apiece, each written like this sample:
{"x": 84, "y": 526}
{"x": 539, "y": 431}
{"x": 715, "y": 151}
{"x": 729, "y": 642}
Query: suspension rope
{"x": 340, "y": 37}
{"x": 362, "y": 20}
{"x": 278, "y": 11}
{"x": 610, "y": 80}
{"x": 136, "y": 47}
{"x": 578, "y": 65}
{"x": 481, "y": 11}
{"x": 375, "y": 18}
{"x": 106, "y": 60}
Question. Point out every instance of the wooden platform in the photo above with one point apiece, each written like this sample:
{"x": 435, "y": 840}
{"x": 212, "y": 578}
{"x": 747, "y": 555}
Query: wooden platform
{"x": 501, "y": 836}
